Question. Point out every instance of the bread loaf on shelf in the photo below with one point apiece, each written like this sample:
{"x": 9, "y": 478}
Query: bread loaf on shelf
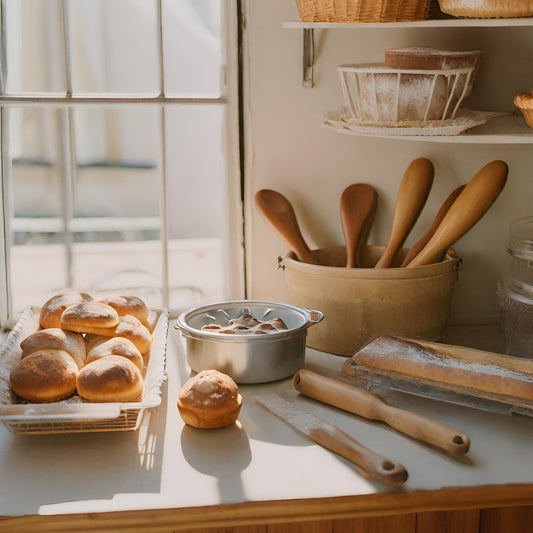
{"x": 419, "y": 57}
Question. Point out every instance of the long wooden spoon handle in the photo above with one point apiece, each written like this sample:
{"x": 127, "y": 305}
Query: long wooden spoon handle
{"x": 358, "y": 207}
{"x": 412, "y": 195}
{"x": 280, "y": 215}
{"x": 416, "y": 248}
{"x": 473, "y": 202}
{"x": 374, "y": 407}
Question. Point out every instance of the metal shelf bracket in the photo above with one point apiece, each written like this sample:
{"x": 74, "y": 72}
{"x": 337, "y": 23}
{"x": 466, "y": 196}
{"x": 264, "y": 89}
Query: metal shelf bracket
{"x": 308, "y": 57}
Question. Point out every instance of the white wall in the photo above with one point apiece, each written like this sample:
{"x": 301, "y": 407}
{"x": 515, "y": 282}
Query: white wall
{"x": 289, "y": 150}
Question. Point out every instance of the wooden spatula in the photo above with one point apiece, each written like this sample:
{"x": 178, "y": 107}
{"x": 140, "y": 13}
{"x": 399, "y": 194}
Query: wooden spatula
{"x": 412, "y": 195}
{"x": 370, "y": 463}
{"x": 280, "y": 215}
{"x": 416, "y": 248}
{"x": 473, "y": 202}
{"x": 374, "y": 407}
{"x": 358, "y": 207}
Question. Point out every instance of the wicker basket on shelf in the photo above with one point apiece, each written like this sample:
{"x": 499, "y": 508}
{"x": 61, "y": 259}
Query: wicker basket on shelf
{"x": 487, "y": 8}
{"x": 362, "y": 10}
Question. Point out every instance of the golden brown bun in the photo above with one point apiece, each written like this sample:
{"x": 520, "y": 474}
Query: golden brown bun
{"x": 88, "y": 315}
{"x": 524, "y": 102}
{"x": 104, "y": 346}
{"x": 126, "y": 305}
{"x": 44, "y": 376}
{"x": 110, "y": 379}
{"x": 51, "y": 311}
{"x": 130, "y": 328}
{"x": 210, "y": 399}
{"x": 56, "y": 339}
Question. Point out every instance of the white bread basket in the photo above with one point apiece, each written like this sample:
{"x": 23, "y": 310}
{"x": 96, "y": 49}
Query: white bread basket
{"x": 376, "y": 94}
{"x": 72, "y": 415}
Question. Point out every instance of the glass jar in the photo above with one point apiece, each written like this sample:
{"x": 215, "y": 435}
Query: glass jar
{"x": 515, "y": 291}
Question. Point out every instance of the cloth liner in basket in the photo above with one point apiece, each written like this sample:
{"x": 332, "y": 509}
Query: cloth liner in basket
{"x": 362, "y": 10}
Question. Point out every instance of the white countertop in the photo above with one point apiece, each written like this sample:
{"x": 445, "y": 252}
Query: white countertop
{"x": 168, "y": 465}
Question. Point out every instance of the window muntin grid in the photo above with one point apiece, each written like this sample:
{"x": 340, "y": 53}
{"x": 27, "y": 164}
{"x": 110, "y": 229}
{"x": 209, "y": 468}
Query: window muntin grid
{"x": 66, "y": 106}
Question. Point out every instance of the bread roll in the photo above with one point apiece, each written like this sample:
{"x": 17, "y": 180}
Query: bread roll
{"x": 44, "y": 376}
{"x": 56, "y": 339}
{"x": 126, "y": 305}
{"x": 51, "y": 311}
{"x": 110, "y": 379}
{"x": 130, "y": 328}
{"x": 210, "y": 399}
{"x": 105, "y": 346}
{"x": 88, "y": 316}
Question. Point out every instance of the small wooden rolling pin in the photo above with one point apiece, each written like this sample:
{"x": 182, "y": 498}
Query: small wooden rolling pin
{"x": 374, "y": 407}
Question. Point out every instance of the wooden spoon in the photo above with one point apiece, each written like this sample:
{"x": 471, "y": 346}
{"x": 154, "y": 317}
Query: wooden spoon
{"x": 416, "y": 248}
{"x": 279, "y": 213}
{"x": 412, "y": 195}
{"x": 473, "y": 202}
{"x": 358, "y": 207}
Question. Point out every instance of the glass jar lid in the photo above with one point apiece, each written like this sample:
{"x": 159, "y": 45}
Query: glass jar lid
{"x": 520, "y": 239}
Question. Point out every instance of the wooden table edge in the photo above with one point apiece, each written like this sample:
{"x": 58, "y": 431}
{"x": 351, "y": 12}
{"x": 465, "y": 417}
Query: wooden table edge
{"x": 278, "y": 511}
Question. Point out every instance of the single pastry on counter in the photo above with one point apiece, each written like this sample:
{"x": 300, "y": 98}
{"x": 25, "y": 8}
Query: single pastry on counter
{"x": 524, "y": 102}
{"x": 88, "y": 317}
{"x": 126, "y": 305}
{"x": 110, "y": 379}
{"x": 55, "y": 339}
{"x": 208, "y": 400}
{"x": 44, "y": 376}
{"x": 100, "y": 346}
{"x": 51, "y": 311}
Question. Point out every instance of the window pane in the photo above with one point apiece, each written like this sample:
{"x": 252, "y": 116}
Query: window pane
{"x": 34, "y": 42}
{"x": 114, "y": 46}
{"x": 192, "y": 47}
{"x": 115, "y": 214}
{"x": 196, "y": 201}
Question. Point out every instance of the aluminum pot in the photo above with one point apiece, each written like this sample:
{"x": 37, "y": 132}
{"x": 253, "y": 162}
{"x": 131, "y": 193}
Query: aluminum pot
{"x": 247, "y": 358}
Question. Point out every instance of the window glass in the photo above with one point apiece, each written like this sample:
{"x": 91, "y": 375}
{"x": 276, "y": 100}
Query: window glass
{"x": 34, "y": 47}
{"x": 114, "y": 46}
{"x": 192, "y": 44}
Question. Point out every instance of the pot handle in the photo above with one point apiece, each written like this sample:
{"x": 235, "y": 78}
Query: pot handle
{"x": 314, "y": 316}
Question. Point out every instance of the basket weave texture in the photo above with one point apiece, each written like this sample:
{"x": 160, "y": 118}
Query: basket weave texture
{"x": 362, "y": 10}
{"x": 487, "y": 8}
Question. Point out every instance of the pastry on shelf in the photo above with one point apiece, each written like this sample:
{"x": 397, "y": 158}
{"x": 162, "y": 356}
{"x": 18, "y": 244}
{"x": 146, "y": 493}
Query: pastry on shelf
{"x": 524, "y": 102}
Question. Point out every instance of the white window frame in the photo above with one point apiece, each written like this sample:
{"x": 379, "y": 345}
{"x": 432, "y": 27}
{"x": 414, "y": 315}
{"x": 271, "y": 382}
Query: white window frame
{"x": 233, "y": 232}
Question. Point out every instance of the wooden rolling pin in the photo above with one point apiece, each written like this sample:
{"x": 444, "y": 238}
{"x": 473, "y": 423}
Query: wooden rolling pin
{"x": 374, "y": 407}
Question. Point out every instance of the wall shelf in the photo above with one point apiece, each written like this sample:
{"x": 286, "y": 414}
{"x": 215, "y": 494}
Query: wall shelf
{"x": 508, "y": 129}
{"x": 309, "y": 27}
{"x": 433, "y": 23}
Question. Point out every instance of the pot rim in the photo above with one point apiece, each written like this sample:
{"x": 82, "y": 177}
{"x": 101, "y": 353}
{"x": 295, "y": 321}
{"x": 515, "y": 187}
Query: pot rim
{"x": 310, "y": 316}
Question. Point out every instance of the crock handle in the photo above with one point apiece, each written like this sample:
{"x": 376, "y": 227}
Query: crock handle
{"x": 314, "y": 315}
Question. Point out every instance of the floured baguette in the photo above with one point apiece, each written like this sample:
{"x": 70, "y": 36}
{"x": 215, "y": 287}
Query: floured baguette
{"x": 472, "y": 369}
